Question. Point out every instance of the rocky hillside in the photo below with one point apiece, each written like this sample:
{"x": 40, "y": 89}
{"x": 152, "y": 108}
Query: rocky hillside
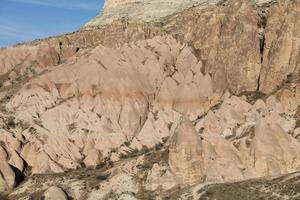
{"x": 150, "y": 10}
{"x": 181, "y": 100}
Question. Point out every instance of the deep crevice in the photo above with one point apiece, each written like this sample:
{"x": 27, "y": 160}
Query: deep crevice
{"x": 258, "y": 82}
{"x": 60, "y": 44}
{"x": 261, "y": 24}
{"x": 262, "y": 47}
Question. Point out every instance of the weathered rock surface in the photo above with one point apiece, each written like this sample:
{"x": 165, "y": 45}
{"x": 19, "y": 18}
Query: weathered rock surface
{"x": 148, "y": 11}
{"x": 138, "y": 110}
{"x": 55, "y": 193}
{"x": 185, "y": 154}
{"x": 281, "y": 50}
{"x": 7, "y": 178}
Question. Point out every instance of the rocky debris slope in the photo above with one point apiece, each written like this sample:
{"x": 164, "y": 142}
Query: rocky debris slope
{"x": 124, "y": 184}
{"x": 285, "y": 187}
{"x": 143, "y": 111}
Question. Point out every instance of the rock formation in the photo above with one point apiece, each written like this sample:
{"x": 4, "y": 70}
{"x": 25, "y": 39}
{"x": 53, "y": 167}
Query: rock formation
{"x": 185, "y": 153}
{"x": 141, "y": 10}
{"x": 55, "y": 193}
{"x": 154, "y": 100}
{"x": 148, "y": 11}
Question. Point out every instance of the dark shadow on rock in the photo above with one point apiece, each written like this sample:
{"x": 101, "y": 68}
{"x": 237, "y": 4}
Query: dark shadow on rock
{"x": 2, "y": 198}
{"x": 19, "y": 175}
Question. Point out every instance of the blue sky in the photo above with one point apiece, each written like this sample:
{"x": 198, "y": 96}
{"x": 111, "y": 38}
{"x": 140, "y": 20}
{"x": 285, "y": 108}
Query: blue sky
{"x": 26, "y": 20}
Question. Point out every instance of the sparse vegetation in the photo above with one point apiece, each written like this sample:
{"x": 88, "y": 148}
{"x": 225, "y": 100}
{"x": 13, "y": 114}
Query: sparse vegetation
{"x": 11, "y": 122}
{"x": 297, "y": 117}
{"x": 101, "y": 178}
{"x": 101, "y": 165}
{"x": 82, "y": 164}
{"x": 127, "y": 143}
{"x": 72, "y": 127}
{"x": 252, "y": 97}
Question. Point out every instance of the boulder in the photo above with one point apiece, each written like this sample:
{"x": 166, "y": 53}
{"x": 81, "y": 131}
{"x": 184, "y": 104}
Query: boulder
{"x": 55, "y": 193}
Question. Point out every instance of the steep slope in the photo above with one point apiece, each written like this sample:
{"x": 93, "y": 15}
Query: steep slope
{"x": 149, "y": 11}
{"x": 142, "y": 110}
{"x": 145, "y": 11}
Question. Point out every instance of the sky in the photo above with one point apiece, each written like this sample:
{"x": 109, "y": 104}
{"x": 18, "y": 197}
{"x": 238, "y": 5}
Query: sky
{"x": 26, "y": 20}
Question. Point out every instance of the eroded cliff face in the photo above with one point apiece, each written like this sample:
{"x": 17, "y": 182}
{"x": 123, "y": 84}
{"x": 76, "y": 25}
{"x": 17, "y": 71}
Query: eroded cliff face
{"x": 281, "y": 49}
{"x": 142, "y": 11}
{"x": 149, "y": 10}
{"x": 139, "y": 110}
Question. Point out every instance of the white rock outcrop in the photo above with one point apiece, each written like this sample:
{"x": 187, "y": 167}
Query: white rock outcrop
{"x": 147, "y": 10}
{"x": 142, "y": 10}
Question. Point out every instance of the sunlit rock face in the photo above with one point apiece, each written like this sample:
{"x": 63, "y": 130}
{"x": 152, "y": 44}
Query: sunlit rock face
{"x": 281, "y": 58}
{"x": 136, "y": 110}
{"x": 142, "y": 10}
{"x": 149, "y": 10}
